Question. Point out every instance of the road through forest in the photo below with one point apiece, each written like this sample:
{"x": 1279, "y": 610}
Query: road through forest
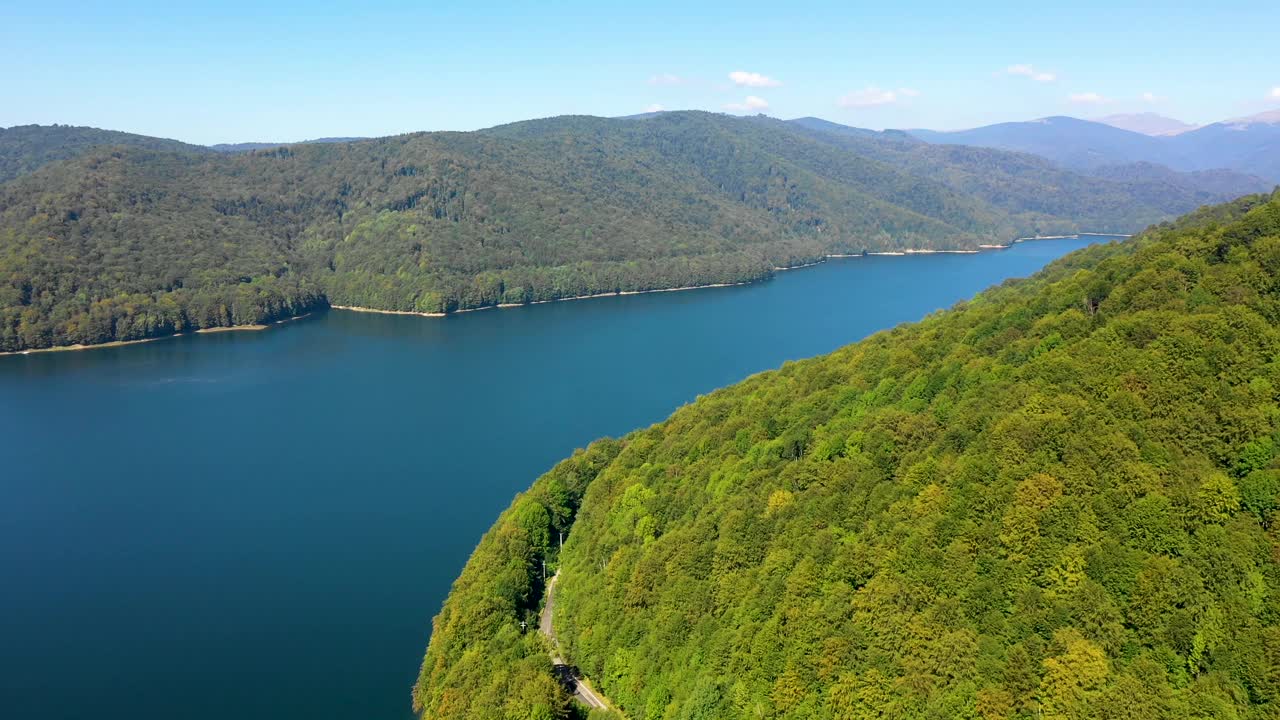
{"x": 581, "y": 688}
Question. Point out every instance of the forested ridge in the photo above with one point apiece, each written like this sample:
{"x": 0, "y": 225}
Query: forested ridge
{"x": 25, "y": 148}
{"x": 141, "y": 238}
{"x": 1056, "y": 500}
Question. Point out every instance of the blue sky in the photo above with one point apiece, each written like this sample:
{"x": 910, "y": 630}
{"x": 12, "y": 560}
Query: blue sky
{"x": 239, "y": 71}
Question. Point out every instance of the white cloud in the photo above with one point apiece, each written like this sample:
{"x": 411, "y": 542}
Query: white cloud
{"x": 1031, "y": 72}
{"x": 667, "y": 79}
{"x": 1152, "y": 97}
{"x": 1088, "y": 98}
{"x": 655, "y": 107}
{"x": 1275, "y": 93}
{"x": 871, "y": 96}
{"x": 751, "y": 103}
{"x": 750, "y": 79}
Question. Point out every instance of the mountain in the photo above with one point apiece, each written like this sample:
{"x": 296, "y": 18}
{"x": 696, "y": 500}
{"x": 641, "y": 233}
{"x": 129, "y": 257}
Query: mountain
{"x": 1057, "y": 500}
{"x": 1018, "y": 183}
{"x": 247, "y": 146}
{"x": 128, "y": 243}
{"x": 24, "y": 148}
{"x": 820, "y": 125}
{"x": 1269, "y": 117}
{"x": 1071, "y": 142}
{"x": 1147, "y": 123}
{"x": 1250, "y": 146}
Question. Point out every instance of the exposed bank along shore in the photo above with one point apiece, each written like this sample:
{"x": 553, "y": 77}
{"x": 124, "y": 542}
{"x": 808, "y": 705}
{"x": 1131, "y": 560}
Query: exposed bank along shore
{"x": 499, "y": 306}
{"x": 122, "y": 343}
{"x": 833, "y": 256}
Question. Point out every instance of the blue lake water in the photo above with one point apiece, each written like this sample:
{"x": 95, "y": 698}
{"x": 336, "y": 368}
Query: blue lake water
{"x": 262, "y": 524}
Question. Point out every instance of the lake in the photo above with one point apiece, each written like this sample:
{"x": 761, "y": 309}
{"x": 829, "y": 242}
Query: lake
{"x": 262, "y": 524}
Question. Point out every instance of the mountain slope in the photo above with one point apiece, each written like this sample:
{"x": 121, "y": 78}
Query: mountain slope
{"x": 1211, "y": 185}
{"x": 24, "y": 148}
{"x": 1147, "y": 123}
{"x": 1246, "y": 145}
{"x": 1056, "y": 500}
{"x": 813, "y": 123}
{"x": 1073, "y": 143}
{"x": 1250, "y": 144}
{"x": 1033, "y": 189}
{"x": 128, "y": 243}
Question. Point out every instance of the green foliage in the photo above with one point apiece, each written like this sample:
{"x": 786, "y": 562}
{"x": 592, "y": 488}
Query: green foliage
{"x": 25, "y": 148}
{"x": 1260, "y": 493}
{"x": 152, "y": 237}
{"x": 481, "y": 663}
{"x": 1052, "y": 501}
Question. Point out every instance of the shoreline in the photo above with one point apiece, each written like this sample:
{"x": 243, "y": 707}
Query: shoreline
{"x": 357, "y": 308}
{"x": 880, "y": 253}
{"x": 502, "y": 306}
{"x": 230, "y": 328}
{"x": 80, "y": 346}
{"x": 499, "y": 306}
{"x": 121, "y": 343}
{"x": 1073, "y": 236}
{"x": 804, "y": 265}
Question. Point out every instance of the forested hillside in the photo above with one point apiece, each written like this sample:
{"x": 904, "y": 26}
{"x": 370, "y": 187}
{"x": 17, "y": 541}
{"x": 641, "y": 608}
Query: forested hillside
{"x": 1030, "y": 188}
{"x": 24, "y": 148}
{"x": 1057, "y": 500}
{"x": 1208, "y": 182}
{"x": 124, "y": 243}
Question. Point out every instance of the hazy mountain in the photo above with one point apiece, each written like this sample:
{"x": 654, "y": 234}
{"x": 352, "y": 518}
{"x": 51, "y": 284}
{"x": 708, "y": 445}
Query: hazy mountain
{"x": 813, "y": 123}
{"x": 1268, "y": 117}
{"x": 247, "y": 146}
{"x": 1250, "y": 144}
{"x": 1147, "y": 123}
{"x": 24, "y": 148}
{"x": 1075, "y": 143}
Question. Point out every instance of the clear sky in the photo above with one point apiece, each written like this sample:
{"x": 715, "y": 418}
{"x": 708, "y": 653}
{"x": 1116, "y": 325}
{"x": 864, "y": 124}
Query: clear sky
{"x": 276, "y": 71}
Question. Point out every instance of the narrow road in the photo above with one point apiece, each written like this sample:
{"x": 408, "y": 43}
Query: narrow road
{"x": 567, "y": 673}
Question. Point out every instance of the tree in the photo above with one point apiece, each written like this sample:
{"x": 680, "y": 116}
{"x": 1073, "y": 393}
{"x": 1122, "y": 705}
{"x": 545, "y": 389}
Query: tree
{"x": 1074, "y": 677}
{"x": 1217, "y": 499}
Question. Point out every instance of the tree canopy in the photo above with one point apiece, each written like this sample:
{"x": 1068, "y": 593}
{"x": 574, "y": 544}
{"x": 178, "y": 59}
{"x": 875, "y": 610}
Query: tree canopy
{"x": 1056, "y": 500}
{"x": 25, "y": 148}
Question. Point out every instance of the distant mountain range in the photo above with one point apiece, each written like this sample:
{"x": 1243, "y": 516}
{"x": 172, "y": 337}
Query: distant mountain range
{"x": 1147, "y": 123}
{"x": 1249, "y": 145}
{"x": 247, "y": 146}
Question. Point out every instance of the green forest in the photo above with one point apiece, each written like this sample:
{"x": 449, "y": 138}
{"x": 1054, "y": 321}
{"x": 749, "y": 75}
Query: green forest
{"x": 108, "y": 236}
{"x": 1056, "y": 500}
{"x": 26, "y": 148}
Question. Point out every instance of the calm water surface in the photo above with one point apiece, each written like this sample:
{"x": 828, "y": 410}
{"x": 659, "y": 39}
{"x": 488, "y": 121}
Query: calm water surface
{"x": 261, "y": 525}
